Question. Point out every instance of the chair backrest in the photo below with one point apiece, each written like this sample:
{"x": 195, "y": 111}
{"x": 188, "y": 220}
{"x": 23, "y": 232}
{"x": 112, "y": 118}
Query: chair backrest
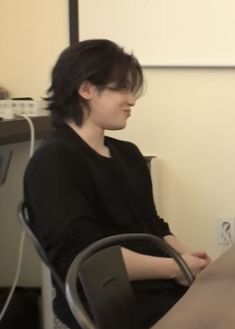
{"x": 23, "y": 214}
{"x": 103, "y": 276}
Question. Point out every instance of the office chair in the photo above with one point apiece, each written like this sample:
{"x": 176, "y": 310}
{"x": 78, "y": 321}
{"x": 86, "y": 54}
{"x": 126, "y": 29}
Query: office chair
{"x": 101, "y": 271}
{"x": 23, "y": 214}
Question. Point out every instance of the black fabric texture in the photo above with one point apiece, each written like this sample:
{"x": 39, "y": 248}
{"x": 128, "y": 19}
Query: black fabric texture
{"x": 76, "y": 196}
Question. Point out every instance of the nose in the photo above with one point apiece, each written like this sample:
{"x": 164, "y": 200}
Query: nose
{"x": 131, "y": 99}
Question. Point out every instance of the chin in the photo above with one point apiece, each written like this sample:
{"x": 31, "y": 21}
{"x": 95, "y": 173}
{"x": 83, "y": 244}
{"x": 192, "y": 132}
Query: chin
{"x": 116, "y": 127}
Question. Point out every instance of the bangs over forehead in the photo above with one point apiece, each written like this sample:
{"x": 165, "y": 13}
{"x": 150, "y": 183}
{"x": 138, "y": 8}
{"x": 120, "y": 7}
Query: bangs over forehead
{"x": 127, "y": 75}
{"x": 115, "y": 69}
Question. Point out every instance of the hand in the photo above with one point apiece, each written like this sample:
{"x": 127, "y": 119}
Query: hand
{"x": 195, "y": 263}
{"x": 203, "y": 255}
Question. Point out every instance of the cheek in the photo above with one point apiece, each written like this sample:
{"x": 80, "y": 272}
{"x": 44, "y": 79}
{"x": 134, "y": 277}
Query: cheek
{"x": 106, "y": 108}
{"x": 111, "y": 107}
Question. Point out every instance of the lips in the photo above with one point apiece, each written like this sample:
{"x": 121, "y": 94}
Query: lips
{"x": 128, "y": 112}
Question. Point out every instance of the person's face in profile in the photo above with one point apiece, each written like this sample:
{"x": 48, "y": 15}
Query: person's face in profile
{"x": 109, "y": 108}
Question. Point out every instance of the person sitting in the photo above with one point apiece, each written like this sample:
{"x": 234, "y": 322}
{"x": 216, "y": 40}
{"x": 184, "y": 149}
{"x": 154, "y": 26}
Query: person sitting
{"x": 81, "y": 185}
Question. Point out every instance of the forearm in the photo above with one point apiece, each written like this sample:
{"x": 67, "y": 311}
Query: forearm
{"x": 176, "y": 244}
{"x": 144, "y": 267}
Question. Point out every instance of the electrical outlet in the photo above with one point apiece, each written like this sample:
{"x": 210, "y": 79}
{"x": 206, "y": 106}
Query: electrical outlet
{"x": 226, "y": 232}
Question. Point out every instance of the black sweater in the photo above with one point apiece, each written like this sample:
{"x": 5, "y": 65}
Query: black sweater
{"x": 76, "y": 196}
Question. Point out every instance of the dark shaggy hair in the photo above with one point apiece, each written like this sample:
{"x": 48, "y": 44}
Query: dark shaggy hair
{"x": 102, "y": 63}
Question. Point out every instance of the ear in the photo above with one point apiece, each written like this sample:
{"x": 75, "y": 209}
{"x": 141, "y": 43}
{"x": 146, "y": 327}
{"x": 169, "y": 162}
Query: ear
{"x": 86, "y": 90}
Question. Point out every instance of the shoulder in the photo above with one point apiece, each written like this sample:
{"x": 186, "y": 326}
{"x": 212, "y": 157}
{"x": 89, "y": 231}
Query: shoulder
{"x": 52, "y": 156}
{"x": 52, "y": 150}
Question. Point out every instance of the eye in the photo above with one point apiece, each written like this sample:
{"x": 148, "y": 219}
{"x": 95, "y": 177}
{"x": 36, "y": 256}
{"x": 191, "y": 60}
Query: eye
{"x": 125, "y": 90}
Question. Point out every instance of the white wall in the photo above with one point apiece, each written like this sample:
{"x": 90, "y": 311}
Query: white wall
{"x": 163, "y": 33}
{"x": 187, "y": 119}
{"x": 32, "y": 35}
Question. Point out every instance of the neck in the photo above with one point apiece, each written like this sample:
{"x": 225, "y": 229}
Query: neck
{"x": 93, "y": 136}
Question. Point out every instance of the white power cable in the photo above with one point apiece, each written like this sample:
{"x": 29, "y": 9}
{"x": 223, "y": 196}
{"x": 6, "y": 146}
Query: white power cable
{"x": 32, "y": 133}
{"x": 22, "y": 238}
{"x": 18, "y": 269}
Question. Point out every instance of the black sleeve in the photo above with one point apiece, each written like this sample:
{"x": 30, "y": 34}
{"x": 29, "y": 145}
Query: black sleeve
{"x": 58, "y": 192}
{"x": 158, "y": 225}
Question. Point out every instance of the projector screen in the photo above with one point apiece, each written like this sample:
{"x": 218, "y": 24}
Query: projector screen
{"x": 165, "y": 32}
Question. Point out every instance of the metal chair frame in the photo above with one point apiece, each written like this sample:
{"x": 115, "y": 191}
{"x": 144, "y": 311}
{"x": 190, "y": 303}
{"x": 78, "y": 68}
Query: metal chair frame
{"x": 23, "y": 215}
{"x": 73, "y": 298}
